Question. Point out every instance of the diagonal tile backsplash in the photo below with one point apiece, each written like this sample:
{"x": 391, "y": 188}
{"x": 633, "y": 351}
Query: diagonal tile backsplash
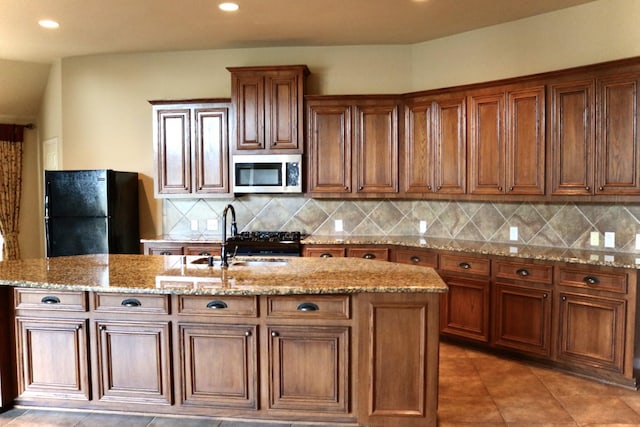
{"x": 565, "y": 225}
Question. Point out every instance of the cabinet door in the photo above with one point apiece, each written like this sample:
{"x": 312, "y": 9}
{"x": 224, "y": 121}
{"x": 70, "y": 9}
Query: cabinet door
{"x": 52, "y": 358}
{"x": 525, "y": 141}
{"x": 376, "y": 147}
{"x": 450, "y": 145}
{"x": 618, "y": 147}
{"x": 329, "y": 147}
{"x": 247, "y": 91}
{"x": 133, "y": 362}
{"x": 522, "y": 318}
{"x": 172, "y": 133}
{"x": 418, "y": 173}
{"x": 281, "y": 110}
{"x": 572, "y": 138}
{"x": 210, "y": 150}
{"x": 308, "y": 368}
{"x": 464, "y": 310}
{"x": 486, "y": 144}
{"x": 592, "y": 331}
{"x": 219, "y": 365}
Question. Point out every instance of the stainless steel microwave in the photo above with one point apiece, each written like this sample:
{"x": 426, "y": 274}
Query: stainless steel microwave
{"x": 267, "y": 173}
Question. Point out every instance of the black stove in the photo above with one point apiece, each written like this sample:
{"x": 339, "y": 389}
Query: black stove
{"x": 265, "y": 243}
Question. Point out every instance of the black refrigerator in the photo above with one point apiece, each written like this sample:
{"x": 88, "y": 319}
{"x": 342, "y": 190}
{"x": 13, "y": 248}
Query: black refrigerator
{"x": 91, "y": 212}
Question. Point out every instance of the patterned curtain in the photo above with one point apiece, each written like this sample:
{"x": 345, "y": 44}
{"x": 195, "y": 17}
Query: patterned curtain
{"x": 11, "y": 137}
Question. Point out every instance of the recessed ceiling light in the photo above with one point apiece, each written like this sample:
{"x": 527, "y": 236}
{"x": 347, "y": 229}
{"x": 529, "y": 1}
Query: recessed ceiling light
{"x": 48, "y": 23}
{"x": 228, "y": 7}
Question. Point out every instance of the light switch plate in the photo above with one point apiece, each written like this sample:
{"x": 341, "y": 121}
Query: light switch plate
{"x": 423, "y": 227}
{"x": 513, "y": 233}
{"x": 194, "y": 225}
{"x": 338, "y": 225}
{"x": 609, "y": 239}
{"x": 594, "y": 238}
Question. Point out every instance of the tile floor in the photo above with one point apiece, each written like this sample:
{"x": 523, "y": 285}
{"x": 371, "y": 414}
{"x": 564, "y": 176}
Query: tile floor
{"x": 476, "y": 390}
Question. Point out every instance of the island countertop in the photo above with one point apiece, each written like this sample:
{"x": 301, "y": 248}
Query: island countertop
{"x": 169, "y": 274}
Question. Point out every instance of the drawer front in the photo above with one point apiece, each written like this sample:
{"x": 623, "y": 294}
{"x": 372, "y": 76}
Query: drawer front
{"x": 202, "y": 250}
{"x": 593, "y": 279}
{"x": 209, "y": 305}
{"x": 465, "y": 264}
{"x": 324, "y": 252}
{"x": 421, "y": 258}
{"x": 378, "y": 254}
{"x": 524, "y": 272}
{"x": 309, "y": 306}
{"x": 165, "y": 250}
{"x": 132, "y": 303}
{"x": 49, "y": 300}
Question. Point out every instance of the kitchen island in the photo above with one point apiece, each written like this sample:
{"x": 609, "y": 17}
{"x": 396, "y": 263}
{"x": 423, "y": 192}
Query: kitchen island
{"x": 295, "y": 339}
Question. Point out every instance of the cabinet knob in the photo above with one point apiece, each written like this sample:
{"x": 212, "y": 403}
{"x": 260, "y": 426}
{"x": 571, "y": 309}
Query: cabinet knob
{"x": 587, "y": 188}
{"x": 591, "y": 280}
{"x": 165, "y": 253}
{"x": 369, "y": 255}
{"x": 545, "y": 295}
{"x": 308, "y": 306}
{"x": 429, "y": 187}
{"x": 326, "y": 255}
{"x": 361, "y": 188}
{"x": 499, "y": 188}
{"x": 564, "y": 298}
{"x": 439, "y": 188}
{"x": 600, "y": 188}
{"x": 465, "y": 265}
{"x": 346, "y": 188}
{"x": 415, "y": 259}
{"x": 216, "y": 305}
{"x": 274, "y": 334}
{"x": 102, "y": 328}
{"x": 522, "y": 272}
{"x": 131, "y": 302}
{"x": 204, "y": 253}
{"x": 50, "y": 299}
{"x": 510, "y": 188}
{"x": 247, "y": 333}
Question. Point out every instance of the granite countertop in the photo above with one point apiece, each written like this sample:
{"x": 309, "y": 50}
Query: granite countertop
{"x": 179, "y": 274}
{"x": 595, "y": 257}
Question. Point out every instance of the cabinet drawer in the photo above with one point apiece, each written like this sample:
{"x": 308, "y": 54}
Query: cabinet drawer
{"x": 133, "y": 303}
{"x": 589, "y": 278}
{"x": 211, "y": 305}
{"x": 43, "y": 299}
{"x": 524, "y": 271}
{"x": 202, "y": 250}
{"x": 324, "y": 252}
{"x": 424, "y": 259}
{"x": 379, "y": 254}
{"x": 465, "y": 264}
{"x": 309, "y": 306}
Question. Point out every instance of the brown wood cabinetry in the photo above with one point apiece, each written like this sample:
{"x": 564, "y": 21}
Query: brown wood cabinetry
{"x": 421, "y": 257}
{"x": 522, "y": 300}
{"x": 191, "y": 147}
{"x": 324, "y": 251}
{"x": 374, "y": 253}
{"x": 52, "y": 345}
{"x": 595, "y": 148}
{"x": 7, "y": 358}
{"x": 435, "y": 145}
{"x": 268, "y": 108}
{"x": 352, "y": 145}
{"x": 178, "y": 248}
{"x": 507, "y": 141}
{"x": 596, "y": 314}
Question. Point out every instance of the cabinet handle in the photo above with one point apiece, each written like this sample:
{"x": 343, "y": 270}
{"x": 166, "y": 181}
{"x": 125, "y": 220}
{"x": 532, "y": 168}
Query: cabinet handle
{"x": 439, "y": 188}
{"x": 587, "y": 188}
{"x": 50, "y": 299}
{"x": 415, "y": 259}
{"x": 499, "y": 188}
{"x": 247, "y": 333}
{"x": 600, "y": 188}
{"x": 429, "y": 187}
{"x": 131, "y": 302}
{"x": 361, "y": 188}
{"x": 545, "y": 295}
{"x": 102, "y": 328}
{"x": 165, "y": 253}
{"x": 308, "y": 306}
{"x": 204, "y": 253}
{"x": 274, "y": 334}
{"x": 522, "y": 272}
{"x": 465, "y": 265}
{"x": 510, "y": 188}
{"x": 326, "y": 255}
{"x": 369, "y": 255}
{"x": 564, "y": 298}
{"x": 216, "y": 305}
{"x": 591, "y": 280}
{"x": 346, "y": 188}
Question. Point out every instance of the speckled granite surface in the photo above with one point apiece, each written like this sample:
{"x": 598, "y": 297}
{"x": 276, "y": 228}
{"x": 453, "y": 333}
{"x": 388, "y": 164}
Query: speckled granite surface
{"x": 245, "y": 276}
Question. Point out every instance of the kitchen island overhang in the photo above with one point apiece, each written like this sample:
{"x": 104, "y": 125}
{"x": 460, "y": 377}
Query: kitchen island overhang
{"x": 368, "y": 329}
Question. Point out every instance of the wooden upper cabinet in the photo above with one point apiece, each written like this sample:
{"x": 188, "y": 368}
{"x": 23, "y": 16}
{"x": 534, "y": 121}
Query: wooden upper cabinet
{"x": 435, "y": 145}
{"x": 191, "y": 147}
{"x": 352, "y": 145}
{"x": 617, "y": 144}
{"x": 268, "y": 106}
{"x": 507, "y": 142}
{"x": 572, "y": 138}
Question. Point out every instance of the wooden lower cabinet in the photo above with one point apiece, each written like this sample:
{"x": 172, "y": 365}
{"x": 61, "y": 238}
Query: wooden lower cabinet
{"x": 133, "y": 359}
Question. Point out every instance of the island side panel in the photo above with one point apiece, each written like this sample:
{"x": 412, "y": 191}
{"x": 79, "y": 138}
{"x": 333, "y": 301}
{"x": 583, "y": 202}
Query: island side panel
{"x": 398, "y": 351}
{"x": 7, "y": 364}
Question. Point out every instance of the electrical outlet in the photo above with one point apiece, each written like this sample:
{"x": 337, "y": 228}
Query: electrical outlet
{"x": 609, "y": 239}
{"x": 212, "y": 224}
{"x": 194, "y": 225}
{"x": 594, "y": 238}
{"x": 338, "y": 225}
{"x": 423, "y": 227}
{"x": 513, "y": 233}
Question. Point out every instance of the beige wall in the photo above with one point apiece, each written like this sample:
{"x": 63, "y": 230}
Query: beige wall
{"x": 106, "y": 118}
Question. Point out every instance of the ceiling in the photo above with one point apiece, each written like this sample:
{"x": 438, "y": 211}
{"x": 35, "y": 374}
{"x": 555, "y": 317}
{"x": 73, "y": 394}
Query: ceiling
{"x": 91, "y": 27}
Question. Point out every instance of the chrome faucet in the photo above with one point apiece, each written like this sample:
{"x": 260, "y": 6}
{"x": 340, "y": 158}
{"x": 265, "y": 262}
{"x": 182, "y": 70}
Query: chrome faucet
{"x": 224, "y": 251}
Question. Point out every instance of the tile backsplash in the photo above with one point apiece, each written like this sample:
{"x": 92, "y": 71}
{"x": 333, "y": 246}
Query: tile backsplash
{"x": 565, "y": 225}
